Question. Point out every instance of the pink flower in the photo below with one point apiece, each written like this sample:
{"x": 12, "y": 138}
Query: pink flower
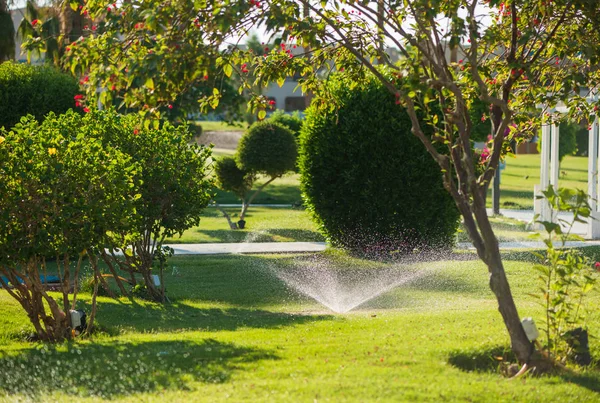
{"x": 597, "y": 266}
{"x": 79, "y": 96}
{"x": 485, "y": 155}
{"x": 86, "y": 109}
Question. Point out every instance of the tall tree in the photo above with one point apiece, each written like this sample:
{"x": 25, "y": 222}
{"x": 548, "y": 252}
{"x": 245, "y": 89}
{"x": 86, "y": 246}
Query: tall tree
{"x": 7, "y": 33}
{"x": 518, "y": 54}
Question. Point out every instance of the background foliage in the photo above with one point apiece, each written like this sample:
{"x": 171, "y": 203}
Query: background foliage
{"x": 35, "y": 90}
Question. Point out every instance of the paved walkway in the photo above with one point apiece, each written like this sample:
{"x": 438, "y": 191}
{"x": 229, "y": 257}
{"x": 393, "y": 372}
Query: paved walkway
{"x": 527, "y": 216}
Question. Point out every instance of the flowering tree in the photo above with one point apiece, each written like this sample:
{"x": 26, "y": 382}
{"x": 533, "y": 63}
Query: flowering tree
{"x": 513, "y": 56}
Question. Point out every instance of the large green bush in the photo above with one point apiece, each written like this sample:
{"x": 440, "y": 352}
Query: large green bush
{"x": 34, "y": 90}
{"x": 368, "y": 181}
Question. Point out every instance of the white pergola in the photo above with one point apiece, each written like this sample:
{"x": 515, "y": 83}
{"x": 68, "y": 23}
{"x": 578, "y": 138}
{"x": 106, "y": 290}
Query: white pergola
{"x": 550, "y": 171}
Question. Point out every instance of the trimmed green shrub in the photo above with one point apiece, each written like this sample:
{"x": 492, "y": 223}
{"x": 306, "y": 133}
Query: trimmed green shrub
{"x": 367, "y": 180}
{"x": 267, "y": 148}
{"x": 33, "y": 90}
{"x": 231, "y": 178}
{"x": 292, "y": 122}
{"x": 567, "y": 140}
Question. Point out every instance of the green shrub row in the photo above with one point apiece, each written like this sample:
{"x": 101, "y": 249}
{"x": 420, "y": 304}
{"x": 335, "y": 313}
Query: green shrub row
{"x": 33, "y": 90}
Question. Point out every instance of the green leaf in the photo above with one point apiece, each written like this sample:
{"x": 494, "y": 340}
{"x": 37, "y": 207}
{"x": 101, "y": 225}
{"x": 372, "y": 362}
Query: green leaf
{"x": 228, "y": 70}
{"x": 149, "y": 83}
{"x": 262, "y": 114}
{"x": 280, "y": 81}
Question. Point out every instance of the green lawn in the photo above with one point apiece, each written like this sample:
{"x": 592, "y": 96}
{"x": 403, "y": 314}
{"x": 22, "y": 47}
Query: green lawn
{"x": 212, "y": 126}
{"x": 234, "y": 332}
{"x": 523, "y": 172}
{"x": 278, "y": 224}
{"x": 263, "y": 224}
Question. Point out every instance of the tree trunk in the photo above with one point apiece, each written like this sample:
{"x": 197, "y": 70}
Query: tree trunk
{"x": 232, "y": 225}
{"x": 7, "y": 33}
{"x": 71, "y": 23}
{"x": 499, "y": 285}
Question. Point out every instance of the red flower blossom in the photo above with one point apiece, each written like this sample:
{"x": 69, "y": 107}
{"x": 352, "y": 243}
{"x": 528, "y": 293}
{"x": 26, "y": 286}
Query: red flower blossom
{"x": 271, "y": 102}
{"x": 170, "y": 106}
{"x": 86, "y": 109}
{"x": 35, "y": 22}
{"x": 79, "y": 96}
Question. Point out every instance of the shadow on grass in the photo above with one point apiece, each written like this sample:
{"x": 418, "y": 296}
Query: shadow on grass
{"x": 483, "y": 360}
{"x": 487, "y": 360}
{"x": 277, "y": 193}
{"x": 115, "y": 369}
{"x": 150, "y": 317}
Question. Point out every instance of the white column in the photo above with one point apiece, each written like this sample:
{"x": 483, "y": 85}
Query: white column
{"x": 545, "y": 157}
{"x": 541, "y": 206}
{"x": 554, "y": 163}
{"x": 593, "y": 231}
{"x": 593, "y": 165}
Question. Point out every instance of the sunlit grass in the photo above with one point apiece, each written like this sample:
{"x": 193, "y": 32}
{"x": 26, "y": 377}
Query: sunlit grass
{"x": 234, "y": 332}
{"x": 218, "y": 126}
{"x": 523, "y": 172}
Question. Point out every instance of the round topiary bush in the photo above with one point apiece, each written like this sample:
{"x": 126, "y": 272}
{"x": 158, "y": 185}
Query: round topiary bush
{"x": 367, "y": 180}
{"x": 35, "y": 90}
{"x": 267, "y": 148}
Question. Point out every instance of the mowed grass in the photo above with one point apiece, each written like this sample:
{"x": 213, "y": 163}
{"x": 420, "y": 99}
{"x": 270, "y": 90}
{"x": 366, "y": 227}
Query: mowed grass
{"x": 263, "y": 224}
{"x": 523, "y": 172}
{"x": 218, "y": 126}
{"x": 284, "y": 190}
{"x": 281, "y": 224}
{"x": 233, "y": 332}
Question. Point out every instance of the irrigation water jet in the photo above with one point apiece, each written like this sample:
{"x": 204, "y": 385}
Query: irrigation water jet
{"x": 342, "y": 289}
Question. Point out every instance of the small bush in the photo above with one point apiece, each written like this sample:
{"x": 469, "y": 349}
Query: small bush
{"x": 34, "y": 90}
{"x": 231, "y": 178}
{"x": 292, "y": 122}
{"x": 367, "y": 180}
{"x": 267, "y": 148}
